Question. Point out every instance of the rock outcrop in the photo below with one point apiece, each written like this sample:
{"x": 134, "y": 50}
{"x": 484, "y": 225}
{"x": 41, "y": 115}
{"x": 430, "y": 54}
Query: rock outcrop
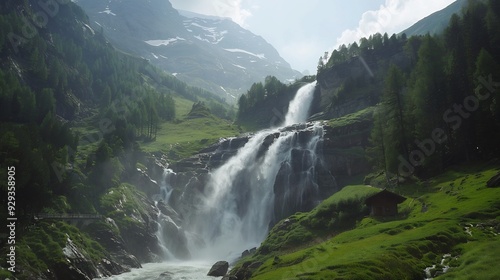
{"x": 113, "y": 243}
{"x": 220, "y": 268}
{"x": 78, "y": 266}
{"x": 494, "y": 182}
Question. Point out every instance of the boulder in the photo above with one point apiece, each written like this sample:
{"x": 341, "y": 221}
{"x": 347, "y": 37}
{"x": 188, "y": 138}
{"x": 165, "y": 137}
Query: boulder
{"x": 249, "y": 252}
{"x": 494, "y": 182}
{"x": 219, "y": 269}
{"x": 166, "y": 276}
{"x": 245, "y": 253}
{"x": 229, "y": 277}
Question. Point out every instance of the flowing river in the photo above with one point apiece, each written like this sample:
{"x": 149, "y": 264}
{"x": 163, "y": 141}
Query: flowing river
{"x": 167, "y": 271}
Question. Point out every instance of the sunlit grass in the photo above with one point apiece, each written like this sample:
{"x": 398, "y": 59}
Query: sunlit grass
{"x": 432, "y": 224}
{"x": 184, "y": 138}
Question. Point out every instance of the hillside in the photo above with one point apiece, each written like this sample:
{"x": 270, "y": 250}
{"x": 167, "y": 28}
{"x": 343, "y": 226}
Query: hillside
{"x": 208, "y": 52}
{"x": 76, "y": 115}
{"x": 449, "y": 222}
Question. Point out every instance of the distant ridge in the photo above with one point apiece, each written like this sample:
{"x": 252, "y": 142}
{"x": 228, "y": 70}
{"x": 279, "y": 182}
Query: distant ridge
{"x": 189, "y": 14}
{"x": 436, "y": 22}
{"x": 209, "y": 52}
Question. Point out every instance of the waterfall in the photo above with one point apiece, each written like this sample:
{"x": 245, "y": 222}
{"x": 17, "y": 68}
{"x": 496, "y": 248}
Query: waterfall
{"x": 160, "y": 235}
{"x": 165, "y": 186}
{"x": 167, "y": 227}
{"x": 299, "y": 107}
{"x": 238, "y": 203}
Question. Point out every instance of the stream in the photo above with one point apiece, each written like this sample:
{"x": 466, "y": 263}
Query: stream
{"x": 167, "y": 271}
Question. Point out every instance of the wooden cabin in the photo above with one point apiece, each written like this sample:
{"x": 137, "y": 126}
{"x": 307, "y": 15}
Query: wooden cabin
{"x": 384, "y": 203}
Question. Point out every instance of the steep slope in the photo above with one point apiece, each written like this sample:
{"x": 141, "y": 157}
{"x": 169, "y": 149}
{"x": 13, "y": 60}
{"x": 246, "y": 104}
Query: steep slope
{"x": 73, "y": 112}
{"x": 209, "y": 52}
{"x": 443, "y": 225}
{"x": 436, "y": 22}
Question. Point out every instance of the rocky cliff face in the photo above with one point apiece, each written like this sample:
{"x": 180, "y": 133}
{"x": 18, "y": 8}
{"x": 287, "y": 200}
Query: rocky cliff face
{"x": 340, "y": 156}
{"x": 356, "y": 83}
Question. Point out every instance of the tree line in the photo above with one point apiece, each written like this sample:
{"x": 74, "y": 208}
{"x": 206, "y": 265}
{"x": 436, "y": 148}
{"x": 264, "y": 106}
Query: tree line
{"x": 445, "y": 108}
{"x": 64, "y": 74}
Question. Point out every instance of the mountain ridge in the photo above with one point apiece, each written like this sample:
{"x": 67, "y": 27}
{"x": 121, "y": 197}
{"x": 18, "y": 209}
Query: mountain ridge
{"x": 436, "y": 22}
{"x": 208, "y": 52}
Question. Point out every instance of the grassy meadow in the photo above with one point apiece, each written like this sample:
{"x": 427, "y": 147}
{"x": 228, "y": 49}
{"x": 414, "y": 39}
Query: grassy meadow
{"x": 454, "y": 213}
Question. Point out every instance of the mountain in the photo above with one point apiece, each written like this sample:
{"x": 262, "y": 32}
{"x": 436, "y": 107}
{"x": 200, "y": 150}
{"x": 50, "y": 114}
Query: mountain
{"x": 209, "y": 52}
{"x": 436, "y": 22}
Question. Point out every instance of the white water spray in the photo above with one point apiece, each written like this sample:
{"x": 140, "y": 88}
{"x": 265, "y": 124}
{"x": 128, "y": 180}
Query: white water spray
{"x": 299, "y": 107}
{"x": 239, "y": 197}
{"x": 162, "y": 220}
{"x": 165, "y": 187}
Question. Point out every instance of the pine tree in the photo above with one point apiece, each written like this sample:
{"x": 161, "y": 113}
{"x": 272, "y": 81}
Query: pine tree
{"x": 428, "y": 95}
{"x": 487, "y": 118}
{"x": 392, "y": 111}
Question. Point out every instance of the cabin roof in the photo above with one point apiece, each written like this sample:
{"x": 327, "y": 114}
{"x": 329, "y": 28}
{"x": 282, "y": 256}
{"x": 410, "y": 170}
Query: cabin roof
{"x": 385, "y": 196}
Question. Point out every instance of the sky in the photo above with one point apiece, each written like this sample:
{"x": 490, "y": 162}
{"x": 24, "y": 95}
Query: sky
{"x": 302, "y": 30}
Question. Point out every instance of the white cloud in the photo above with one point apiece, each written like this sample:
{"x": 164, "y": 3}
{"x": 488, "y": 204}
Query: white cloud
{"x": 392, "y": 17}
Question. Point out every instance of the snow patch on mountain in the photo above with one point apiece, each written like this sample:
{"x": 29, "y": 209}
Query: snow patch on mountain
{"x": 107, "y": 11}
{"x": 157, "y": 43}
{"x": 239, "y": 66}
{"x": 261, "y": 56}
{"x": 208, "y": 34}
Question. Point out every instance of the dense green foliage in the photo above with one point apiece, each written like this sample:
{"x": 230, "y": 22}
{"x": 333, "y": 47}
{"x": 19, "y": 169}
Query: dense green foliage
{"x": 443, "y": 109}
{"x": 265, "y": 104}
{"x": 374, "y": 45}
{"x": 258, "y": 93}
{"x": 73, "y": 112}
{"x": 42, "y": 246}
{"x": 59, "y": 73}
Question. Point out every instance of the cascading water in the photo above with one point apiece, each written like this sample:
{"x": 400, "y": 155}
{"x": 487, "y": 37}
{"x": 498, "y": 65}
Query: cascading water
{"x": 160, "y": 221}
{"x": 165, "y": 186}
{"x": 299, "y": 107}
{"x": 239, "y": 199}
{"x": 269, "y": 176}
{"x": 163, "y": 221}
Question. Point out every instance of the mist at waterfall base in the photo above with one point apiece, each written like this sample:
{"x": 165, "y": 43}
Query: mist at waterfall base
{"x": 239, "y": 202}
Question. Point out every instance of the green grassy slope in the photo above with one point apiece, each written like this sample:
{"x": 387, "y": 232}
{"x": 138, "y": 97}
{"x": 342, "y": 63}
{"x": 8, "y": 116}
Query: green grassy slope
{"x": 397, "y": 248}
{"x": 189, "y": 133}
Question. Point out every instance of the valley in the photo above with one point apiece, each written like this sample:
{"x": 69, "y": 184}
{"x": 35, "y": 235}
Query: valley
{"x": 187, "y": 140}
